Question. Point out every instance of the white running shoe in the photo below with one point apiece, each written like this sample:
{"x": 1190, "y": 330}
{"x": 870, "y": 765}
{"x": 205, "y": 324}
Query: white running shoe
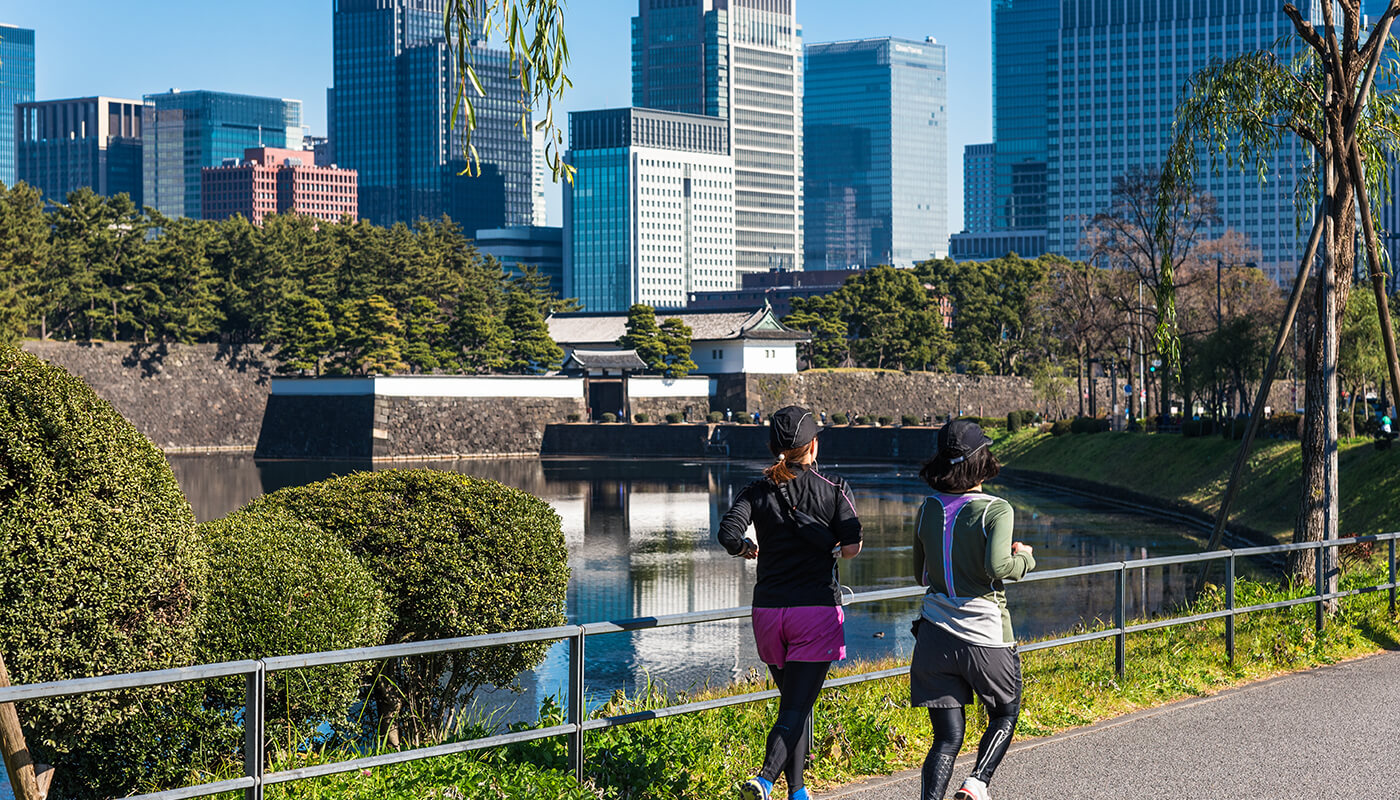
{"x": 972, "y": 789}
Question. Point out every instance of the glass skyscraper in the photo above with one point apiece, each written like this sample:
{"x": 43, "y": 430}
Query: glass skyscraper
{"x": 1117, "y": 76}
{"x": 390, "y": 114}
{"x": 740, "y": 60}
{"x": 16, "y": 86}
{"x": 1024, "y": 38}
{"x": 876, "y": 163}
{"x": 184, "y": 132}
{"x": 63, "y": 145}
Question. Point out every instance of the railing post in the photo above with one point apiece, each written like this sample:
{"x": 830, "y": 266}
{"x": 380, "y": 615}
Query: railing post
{"x": 1120, "y": 603}
{"x": 254, "y": 730}
{"x": 578, "y": 704}
{"x": 1230, "y": 606}
{"x": 1392, "y": 576}
{"x": 1319, "y": 585}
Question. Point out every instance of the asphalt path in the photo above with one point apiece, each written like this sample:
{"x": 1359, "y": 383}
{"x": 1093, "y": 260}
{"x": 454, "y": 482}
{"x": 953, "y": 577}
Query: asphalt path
{"x": 1330, "y": 732}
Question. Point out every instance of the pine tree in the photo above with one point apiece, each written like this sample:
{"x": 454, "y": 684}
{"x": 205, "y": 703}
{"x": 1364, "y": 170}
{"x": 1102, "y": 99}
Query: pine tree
{"x": 675, "y": 336}
{"x": 425, "y": 336}
{"x": 644, "y": 336}
{"x": 476, "y": 335}
{"x": 24, "y": 249}
{"x": 531, "y": 349}
{"x": 371, "y": 337}
{"x": 307, "y": 338}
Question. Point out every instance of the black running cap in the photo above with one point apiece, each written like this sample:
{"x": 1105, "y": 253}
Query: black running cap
{"x": 959, "y": 439}
{"x": 790, "y": 428}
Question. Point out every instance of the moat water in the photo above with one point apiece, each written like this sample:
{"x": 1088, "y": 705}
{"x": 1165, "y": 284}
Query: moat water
{"x": 641, "y": 543}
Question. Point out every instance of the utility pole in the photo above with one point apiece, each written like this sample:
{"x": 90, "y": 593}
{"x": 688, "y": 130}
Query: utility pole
{"x": 28, "y": 782}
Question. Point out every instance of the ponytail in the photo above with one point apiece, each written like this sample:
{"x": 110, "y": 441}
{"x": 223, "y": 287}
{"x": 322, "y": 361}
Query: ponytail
{"x": 782, "y": 471}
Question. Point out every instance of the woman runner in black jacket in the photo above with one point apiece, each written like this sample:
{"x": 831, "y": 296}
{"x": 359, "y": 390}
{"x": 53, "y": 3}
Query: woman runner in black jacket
{"x": 804, "y": 520}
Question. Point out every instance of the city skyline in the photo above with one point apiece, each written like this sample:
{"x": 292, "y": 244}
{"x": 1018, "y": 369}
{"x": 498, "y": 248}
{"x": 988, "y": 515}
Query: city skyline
{"x": 599, "y": 43}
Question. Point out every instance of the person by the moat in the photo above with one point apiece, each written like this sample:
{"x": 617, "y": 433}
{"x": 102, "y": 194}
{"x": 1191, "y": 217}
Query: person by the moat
{"x": 964, "y": 644}
{"x": 804, "y": 520}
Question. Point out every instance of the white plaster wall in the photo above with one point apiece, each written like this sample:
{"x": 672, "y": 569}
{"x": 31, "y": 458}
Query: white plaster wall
{"x": 770, "y": 358}
{"x": 655, "y": 386}
{"x": 433, "y": 386}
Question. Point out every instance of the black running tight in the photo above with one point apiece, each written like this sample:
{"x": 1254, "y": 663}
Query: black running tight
{"x": 799, "y": 683}
{"x": 948, "y": 726}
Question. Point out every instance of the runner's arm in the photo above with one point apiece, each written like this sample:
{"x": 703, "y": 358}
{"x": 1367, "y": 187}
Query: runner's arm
{"x": 920, "y": 569}
{"x": 1000, "y": 562}
{"x": 846, "y": 523}
{"x": 735, "y": 523}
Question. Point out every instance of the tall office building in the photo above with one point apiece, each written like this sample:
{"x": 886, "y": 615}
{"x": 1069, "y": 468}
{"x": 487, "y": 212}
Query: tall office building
{"x": 649, "y": 217}
{"x": 1116, "y": 78}
{"x": 979, "y": 187}
{"x": 539, "y": 175}
{"x": 1025, "y": 38}
{"x": 16, "y": 86}
{"x": 740, "y": 60}
{"x": 184, "y": 132}
{"x": 391, "y": 120}
{"x": 63, "y": 145}
{"x": 876, "y": 163}
{"x": 270, "y": 180}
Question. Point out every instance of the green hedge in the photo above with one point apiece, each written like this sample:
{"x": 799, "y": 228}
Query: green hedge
{"x": 279, "y": 586}
{"x": 457, "y": 556}
{"x": 101, "y": 572}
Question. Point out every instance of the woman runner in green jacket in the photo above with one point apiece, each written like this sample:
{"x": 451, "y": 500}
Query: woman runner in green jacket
{"x": 964, "y": 644}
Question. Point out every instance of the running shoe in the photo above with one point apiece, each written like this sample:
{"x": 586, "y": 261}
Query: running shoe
{"x": 752, "y": 789}
{"x": 972, "y": 789}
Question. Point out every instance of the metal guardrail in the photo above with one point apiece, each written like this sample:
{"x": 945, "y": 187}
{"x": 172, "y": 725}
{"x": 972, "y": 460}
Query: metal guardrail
{"x": 255, "y": 776}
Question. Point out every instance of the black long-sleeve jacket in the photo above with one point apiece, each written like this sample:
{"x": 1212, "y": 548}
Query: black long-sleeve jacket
{"x": 792, "y": 570}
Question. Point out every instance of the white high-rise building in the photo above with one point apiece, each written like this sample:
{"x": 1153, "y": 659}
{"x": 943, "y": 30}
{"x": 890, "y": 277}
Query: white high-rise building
{"x": 740, "y": 60}
{"x": 649, "y": 217}
{"x": 539, "y": 216}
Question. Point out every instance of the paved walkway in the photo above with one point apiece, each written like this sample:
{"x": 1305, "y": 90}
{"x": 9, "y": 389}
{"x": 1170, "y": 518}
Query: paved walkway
{"x": 1331, "y": 732}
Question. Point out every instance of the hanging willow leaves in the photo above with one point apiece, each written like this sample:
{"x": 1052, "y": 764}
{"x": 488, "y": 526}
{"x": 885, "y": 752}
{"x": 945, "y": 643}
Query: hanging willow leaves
{"x": 533, "y": 34}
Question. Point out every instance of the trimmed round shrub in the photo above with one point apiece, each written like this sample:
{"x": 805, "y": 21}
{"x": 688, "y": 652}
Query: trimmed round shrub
{"x": 101, "y": 572}
{"x": 456, "y": 556}
{"x": 840, "y": 419}
{"x": 675, "y": 417}
{"x": 1088, "y": 425}
{"x": 885, "y": 420}
{"x": 909, "y": 419}
{"x": 715, "y": 416}
{"x": 279, "y": 586}
{"x": 1060, "y": 427}
{"x": 609, "y": 417}
{"x": 639, "y": 417}
{"x": 862, "y": 420}
{"x": 572, "y": 418}
{"x": 1013, "y": 421}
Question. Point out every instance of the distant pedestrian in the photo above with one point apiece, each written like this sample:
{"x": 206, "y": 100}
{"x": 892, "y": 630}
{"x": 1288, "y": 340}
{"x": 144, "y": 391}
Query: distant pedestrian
{"x": 964, "y": 645}
{"x": 823, "y": 419}
{"x": 804, "y": 521}
{"x": 757, "y": 417}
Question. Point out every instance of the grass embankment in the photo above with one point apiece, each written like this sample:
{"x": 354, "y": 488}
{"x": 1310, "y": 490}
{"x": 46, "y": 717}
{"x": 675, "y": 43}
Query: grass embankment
{"x": 1195, "y": 471}
{"x": 869, "y": 729}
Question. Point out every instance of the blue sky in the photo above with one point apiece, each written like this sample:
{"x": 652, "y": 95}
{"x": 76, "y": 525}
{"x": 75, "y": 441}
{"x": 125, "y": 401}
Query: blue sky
{"x": 282, "y": 48}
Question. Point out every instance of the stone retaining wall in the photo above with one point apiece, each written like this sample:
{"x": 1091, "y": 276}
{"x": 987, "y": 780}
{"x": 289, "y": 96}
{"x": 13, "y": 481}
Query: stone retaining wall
{"x": 200, "y": 397}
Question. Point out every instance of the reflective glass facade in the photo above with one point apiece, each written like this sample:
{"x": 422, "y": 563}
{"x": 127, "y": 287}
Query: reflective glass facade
{"x": 64, "y": 145}
{"x": 16, "y": 86}
{"x": 1117, "y": 77}
{"x": 1024, "y": 39}
{"x": 979, "y": 188}
{"x": 876, "y": 171}
{"x": 390, "y": 119}
{"x": 649, "y": 217}
{"x": 740, "y": 60}
{"x": 184, "y": 132}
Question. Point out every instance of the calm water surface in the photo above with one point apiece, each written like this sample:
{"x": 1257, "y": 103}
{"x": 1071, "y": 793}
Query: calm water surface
{"x": 641, "y": 543}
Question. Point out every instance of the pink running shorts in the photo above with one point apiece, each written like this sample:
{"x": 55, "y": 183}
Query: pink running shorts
{"x": 800, "y": 633}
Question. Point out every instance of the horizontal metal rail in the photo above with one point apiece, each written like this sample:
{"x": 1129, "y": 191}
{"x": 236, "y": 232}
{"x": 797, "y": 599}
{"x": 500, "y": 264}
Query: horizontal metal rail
{"x": 255, "y": 671}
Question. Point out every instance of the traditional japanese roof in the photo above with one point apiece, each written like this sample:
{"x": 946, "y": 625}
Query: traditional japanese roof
{"x": 571, "y": 330}
{"x": 606, "y": 359}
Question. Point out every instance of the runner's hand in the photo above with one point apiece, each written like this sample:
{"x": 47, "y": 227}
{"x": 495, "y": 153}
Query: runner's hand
{"x": 1021, "y": 547}
{"x": 750, "y": 549}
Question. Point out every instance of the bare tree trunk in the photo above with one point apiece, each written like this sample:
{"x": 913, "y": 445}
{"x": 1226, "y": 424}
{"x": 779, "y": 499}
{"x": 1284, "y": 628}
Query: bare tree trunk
{"x": 389, "y": 706}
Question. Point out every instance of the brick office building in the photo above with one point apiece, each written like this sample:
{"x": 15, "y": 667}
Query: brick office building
{"x": 270, "y": 180}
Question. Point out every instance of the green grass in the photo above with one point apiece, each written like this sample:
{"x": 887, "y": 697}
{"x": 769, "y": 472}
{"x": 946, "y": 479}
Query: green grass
{"x": 1195, "y": 471}
{"x": 868, "y": 729}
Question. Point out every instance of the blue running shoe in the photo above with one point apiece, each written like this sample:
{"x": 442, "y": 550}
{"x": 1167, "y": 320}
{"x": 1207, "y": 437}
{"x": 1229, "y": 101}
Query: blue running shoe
{"x": 754, "y": 789}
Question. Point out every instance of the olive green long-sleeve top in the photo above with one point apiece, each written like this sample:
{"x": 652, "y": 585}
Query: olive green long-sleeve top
{"x": 962, "y": 553}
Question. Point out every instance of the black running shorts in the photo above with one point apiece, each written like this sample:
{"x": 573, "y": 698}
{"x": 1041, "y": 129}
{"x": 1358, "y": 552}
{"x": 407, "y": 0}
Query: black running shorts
{"x": 947, "y": 672}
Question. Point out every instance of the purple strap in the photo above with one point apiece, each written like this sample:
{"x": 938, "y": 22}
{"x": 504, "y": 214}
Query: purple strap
{"x": 950, "y": 515}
